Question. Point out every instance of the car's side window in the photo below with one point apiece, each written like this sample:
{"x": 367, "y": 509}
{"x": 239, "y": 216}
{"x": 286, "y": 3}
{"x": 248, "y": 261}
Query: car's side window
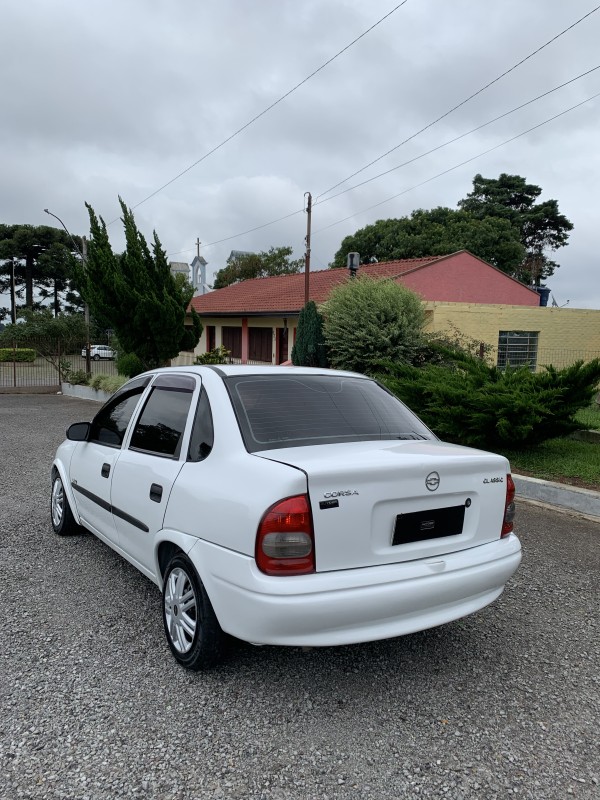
{"x": 161, "y": 424}
{"x": 110, "y": 423}
{"x": 203, "y": 434}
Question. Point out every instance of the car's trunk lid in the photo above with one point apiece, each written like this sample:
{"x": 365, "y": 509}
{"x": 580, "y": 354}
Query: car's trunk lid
{"x": 380, "y": 502}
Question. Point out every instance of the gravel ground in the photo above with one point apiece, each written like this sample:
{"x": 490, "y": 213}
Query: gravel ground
{"x": 92, "y": 704}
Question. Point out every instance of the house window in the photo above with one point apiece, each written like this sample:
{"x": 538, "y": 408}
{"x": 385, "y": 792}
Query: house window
{"x": 232, "y": 340}
{"x": 518, "y": 349}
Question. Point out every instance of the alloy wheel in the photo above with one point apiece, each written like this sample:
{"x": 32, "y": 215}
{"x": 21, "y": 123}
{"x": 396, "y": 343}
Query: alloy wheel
{"x": 58, "y": 502}
{"x": 181, "y": 610}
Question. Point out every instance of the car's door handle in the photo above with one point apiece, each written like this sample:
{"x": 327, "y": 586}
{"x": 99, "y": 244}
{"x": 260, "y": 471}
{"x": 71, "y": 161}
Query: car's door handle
{"x": 105, "y": 471}
{"x": 156, "y": 492}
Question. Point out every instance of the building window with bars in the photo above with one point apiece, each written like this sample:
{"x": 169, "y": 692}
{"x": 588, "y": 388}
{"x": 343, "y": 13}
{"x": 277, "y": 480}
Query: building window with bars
{"x": 518, "y": 349}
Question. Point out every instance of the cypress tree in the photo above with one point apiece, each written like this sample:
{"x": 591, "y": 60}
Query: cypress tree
{"x": 135, "y": 293}
{"x": 310, "y": 349}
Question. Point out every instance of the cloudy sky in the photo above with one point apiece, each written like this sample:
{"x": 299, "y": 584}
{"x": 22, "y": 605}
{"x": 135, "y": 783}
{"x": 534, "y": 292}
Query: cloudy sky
{"x": 118, "y": 97}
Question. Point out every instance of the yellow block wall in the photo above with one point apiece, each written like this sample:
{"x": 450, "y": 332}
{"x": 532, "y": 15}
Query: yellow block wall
{"x": 565, "y": 334}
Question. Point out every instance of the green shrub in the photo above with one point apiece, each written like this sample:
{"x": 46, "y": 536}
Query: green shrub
{"x": 219, "y": 355}
{"x": 76, "y": 377}
{"x": 107, "y": 383}
{"x": 130, "y": 365}
{"x": 468, "y": 402}
{"x": 367, "y": 320}
{"x": 110, "y": 383}
{"x": 18, "y": 354}
{"x": 96, "y": 379}
{"x": 310, "y": 349}
{"x": 437, "y": 344}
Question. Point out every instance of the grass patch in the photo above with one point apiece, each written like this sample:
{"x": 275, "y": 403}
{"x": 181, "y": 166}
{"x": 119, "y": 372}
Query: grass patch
{"x": 589, "y": 417}
{"x": 562, "y": 460}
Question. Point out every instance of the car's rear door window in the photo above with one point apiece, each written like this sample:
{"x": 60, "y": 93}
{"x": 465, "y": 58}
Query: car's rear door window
{"x": 280, "y": 411}
{"x": 161, "y": 424}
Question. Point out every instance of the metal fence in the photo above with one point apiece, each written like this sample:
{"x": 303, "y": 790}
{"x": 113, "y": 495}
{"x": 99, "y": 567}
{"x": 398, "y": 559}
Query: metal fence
{"x": 564, "y": 358}
{"x": 537, "y": 358}
{"x": 50, "y": 367}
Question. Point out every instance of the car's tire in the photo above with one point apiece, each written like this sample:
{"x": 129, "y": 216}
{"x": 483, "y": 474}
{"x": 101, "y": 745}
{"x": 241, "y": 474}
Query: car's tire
{"x": 96, "y": 357}
{"x": 63, "y": 521}
{"x": 191, "y": 627}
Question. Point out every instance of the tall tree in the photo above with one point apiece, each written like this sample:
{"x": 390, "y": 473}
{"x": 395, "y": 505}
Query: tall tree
{"x": 242, "y": 267}
{"x": 541, "y": 226}
{"x": 438, "y": 231}
{"x": 310, "y": 349}
{"x": 44, "y": 261}
{"x": 136, "y": 295}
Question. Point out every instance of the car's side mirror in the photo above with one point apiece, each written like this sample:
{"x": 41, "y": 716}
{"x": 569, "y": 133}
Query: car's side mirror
{"x": 78, "y": 432}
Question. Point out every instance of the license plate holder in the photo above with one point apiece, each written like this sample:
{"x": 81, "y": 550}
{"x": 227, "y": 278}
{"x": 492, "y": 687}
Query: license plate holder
{"x": 436, "y": 523}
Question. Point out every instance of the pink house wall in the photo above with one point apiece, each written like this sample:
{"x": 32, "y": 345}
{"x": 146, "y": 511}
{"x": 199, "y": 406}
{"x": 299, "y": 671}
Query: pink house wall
{"x": 462, "y": 278}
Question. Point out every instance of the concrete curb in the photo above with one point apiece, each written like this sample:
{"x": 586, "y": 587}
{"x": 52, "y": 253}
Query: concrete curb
{"x": 572, "y": 498}
{"x": 84, "y": 392}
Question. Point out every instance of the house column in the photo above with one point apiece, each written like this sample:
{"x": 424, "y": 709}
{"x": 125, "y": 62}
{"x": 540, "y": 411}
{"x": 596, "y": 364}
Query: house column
{"x": 245, "y": 340}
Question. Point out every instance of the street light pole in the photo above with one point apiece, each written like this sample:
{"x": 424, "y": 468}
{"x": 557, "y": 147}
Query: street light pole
{"x": 83, "y": 253}
{"x": 13, "y": 298}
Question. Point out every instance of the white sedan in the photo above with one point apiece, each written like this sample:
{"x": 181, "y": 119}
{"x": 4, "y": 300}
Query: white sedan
{"x": 286, "y": 506}
{"x": 98, "y": 351}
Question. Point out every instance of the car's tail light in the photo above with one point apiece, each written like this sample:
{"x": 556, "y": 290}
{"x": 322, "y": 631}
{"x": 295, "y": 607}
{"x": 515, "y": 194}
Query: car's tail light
{"x": 285, "y": 539}
{"x": 509, "y": 507}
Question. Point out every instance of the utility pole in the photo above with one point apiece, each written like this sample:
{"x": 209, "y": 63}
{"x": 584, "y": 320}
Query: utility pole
{"x": 307, "y": 252}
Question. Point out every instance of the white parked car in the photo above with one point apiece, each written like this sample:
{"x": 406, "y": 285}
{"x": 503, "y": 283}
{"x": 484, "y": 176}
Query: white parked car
{"x": 286, "y": 506}
{"x": 98, "y": 351}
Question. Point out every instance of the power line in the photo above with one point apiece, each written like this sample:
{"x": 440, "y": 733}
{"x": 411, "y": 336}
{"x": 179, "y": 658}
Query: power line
{"x": 242, "y": 233}
{"x": 399, "y": 166}
{"x": 457, "y": 138}
{"x": 456, "y": 166}
{"x": 391, "y": 150}
{"x": 459, "y": 105}
{"x": 262, "y": 113}
{"x": 258, "y": 227}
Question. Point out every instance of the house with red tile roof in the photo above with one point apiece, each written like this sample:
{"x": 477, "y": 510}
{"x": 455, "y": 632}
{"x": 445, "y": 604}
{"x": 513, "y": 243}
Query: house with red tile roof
{"x": 256, "y": 320}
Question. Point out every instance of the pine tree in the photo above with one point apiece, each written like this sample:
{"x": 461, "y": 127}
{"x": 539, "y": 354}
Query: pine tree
{"x": 135, "y": 294}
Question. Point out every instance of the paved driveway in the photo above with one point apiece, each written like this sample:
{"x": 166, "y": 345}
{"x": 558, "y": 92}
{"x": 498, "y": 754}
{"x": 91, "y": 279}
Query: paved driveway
{"x": 92, "y": 705}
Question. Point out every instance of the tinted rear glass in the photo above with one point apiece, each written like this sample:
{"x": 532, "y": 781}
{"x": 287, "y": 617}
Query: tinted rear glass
{"x": 162, "y": 422}
{"x": 280, "y": 411}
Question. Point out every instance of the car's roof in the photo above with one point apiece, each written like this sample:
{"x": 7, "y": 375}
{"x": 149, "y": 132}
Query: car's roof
{"x": 252, "y": 369}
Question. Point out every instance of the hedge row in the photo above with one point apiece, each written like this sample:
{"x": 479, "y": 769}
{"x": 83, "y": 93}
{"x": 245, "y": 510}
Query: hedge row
{"x": 20, "y": 354}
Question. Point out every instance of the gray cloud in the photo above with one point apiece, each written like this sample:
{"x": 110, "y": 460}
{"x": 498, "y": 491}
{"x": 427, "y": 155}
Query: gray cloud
{"x": 107, "y": 98}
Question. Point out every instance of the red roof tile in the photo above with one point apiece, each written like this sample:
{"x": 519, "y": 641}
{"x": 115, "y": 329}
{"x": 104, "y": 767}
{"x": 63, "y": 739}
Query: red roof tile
{"x": 286, "y": 292}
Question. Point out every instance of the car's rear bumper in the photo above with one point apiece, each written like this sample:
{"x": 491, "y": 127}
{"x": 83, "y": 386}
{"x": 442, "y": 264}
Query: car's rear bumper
{"x": 350, "y": 606}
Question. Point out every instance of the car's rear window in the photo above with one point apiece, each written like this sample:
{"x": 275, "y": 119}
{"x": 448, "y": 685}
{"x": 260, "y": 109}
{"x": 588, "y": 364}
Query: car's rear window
{"x": 280, "y": 411}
